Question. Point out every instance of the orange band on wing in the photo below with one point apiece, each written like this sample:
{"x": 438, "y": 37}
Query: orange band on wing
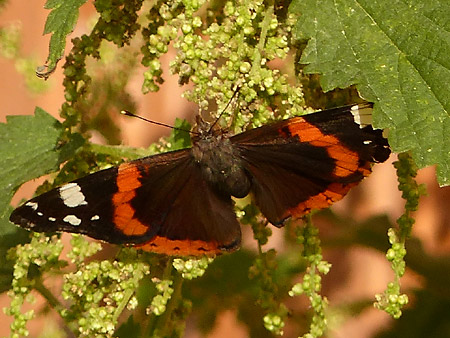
{"x": 347, "y": 163}
{"x": 166, "y": 246}
{"x": 346, "y": 160}
{"x": 127, "y": 182}
{"x": 333, "y": 193}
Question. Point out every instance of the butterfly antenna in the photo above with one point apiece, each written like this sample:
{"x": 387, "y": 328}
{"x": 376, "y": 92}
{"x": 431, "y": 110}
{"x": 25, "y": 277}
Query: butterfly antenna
{"x": 127, "y": 113}
{"x": 224, "y": 109}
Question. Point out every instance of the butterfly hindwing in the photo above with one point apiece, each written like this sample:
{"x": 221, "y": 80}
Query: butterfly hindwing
{"x": 200, "y": 220}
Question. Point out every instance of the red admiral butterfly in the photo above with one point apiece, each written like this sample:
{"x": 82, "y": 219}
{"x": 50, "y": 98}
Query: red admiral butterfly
{"x": 180, "y": 202}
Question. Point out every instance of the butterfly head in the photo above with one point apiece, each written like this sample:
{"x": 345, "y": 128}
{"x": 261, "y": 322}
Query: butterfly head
{"x": 204, "y": 130}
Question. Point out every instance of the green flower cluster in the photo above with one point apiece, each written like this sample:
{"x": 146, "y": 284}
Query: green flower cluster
{"x": 263, "y": 272}
{"x": 411, "y": 192}
{"x": 229, "y": 49}
{"x": 31, "y": 261}
{"x": 312, "y": 280}
{"x": 159, "y": 302}
{"x": 192, "y": 268}
{"x": 274, "y": 323}
{"x": 117, "y": 23}
{"x": 100, "y": 291}
{"x": 392, "y": 300}
{"x": 249, "y": 214}
{"x": 82, "y": 249}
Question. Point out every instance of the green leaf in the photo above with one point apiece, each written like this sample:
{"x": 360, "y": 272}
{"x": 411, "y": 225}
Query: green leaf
{"x": 61, "y": 22}
{"x": 9, "y": 239}
{"x": 29, "y": 149}
{"x": 180, "y": 138}
{"x": 129, "y": 329}
{"x": 396, "y": 52}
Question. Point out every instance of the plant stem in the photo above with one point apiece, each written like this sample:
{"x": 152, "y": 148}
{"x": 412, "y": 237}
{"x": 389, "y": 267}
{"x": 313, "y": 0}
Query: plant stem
{"x": 160, "y": 324}
{"x": 54, "y": 303}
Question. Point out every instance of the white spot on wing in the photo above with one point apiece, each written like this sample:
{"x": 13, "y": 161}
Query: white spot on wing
{"x": 32, "y": 205}
{"x": 71, "y": 195}
{"x": 72, "y": 219}
{"x": 52, "y": 219}
{"x": 95, "y": 218}
{"x": 40, "y": 213}
{"x": 362, "y": 115}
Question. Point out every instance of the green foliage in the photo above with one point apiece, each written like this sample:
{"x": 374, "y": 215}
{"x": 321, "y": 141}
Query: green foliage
{"x": 41, "y": 254}
{"x": 191, "y": 268}
{"x": 60, "y": 22}
{"x": 392, "y": 300}
{"x": 312, "y": 281}
{"x": 10, "y": 36}
{"x": 179, "y": 138}
{"x": 220, "y": 46}
{"x": 396, "y": 53}
{"x": 30, "y": 147}
{"x": 99, "y": 292}
{"x": 159, "y": 302}
{"x": 263, "y": 272}
{"x": 10, "y": 236}
{"x": 428, "y": 318}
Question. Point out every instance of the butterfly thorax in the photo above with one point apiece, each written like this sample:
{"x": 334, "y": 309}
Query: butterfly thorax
{"x": 220, "y": 165}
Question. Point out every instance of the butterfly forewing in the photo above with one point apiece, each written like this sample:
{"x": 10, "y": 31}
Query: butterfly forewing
{"x": 103, "y": 205}
{"x": 82, "y": 206}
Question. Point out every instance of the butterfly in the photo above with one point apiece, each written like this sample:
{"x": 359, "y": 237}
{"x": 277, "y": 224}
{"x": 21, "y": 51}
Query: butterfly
{"x": 180, "y": 202}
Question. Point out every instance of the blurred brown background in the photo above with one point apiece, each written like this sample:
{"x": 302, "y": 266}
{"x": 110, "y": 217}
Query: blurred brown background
{"x": 366, "y": 272}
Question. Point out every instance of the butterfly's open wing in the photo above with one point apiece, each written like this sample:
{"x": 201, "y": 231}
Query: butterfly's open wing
{"x": 154, "y": 201}
{"x": 308, "y": 162}
{"x": 102, "y": 205}
{"x": 200, "y": 220}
